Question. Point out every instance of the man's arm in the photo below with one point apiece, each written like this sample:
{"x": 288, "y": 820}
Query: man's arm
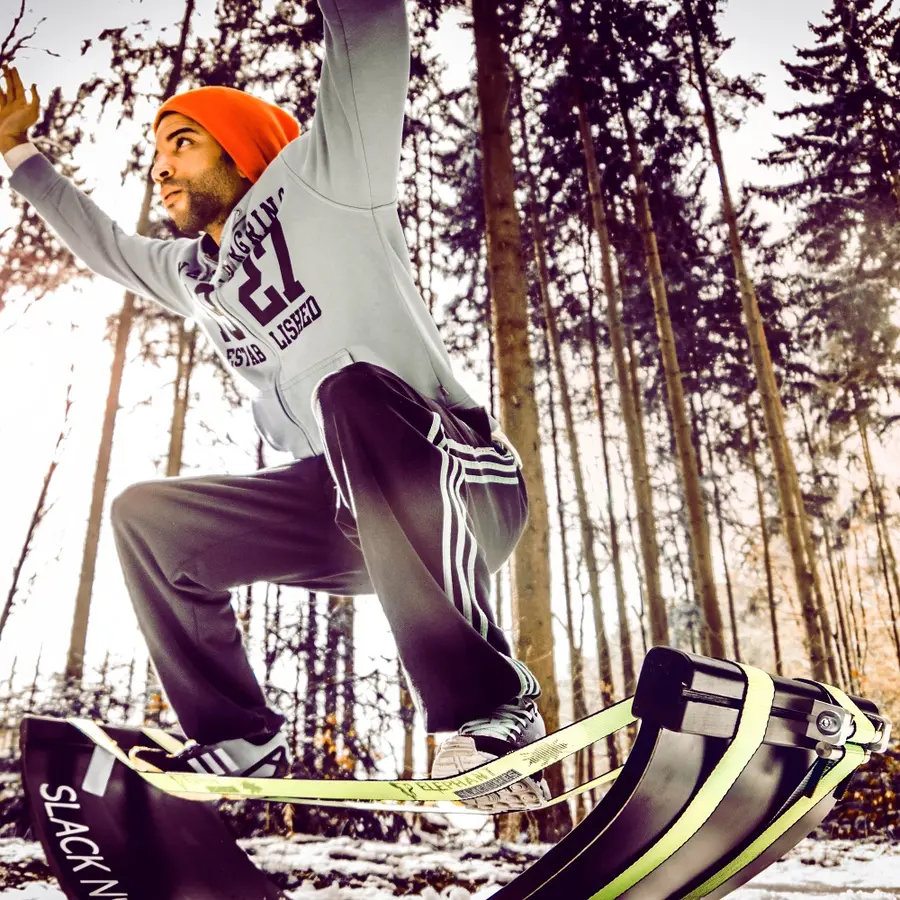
{"x": 146, "y": 266}
{"x": 352, "y": 152}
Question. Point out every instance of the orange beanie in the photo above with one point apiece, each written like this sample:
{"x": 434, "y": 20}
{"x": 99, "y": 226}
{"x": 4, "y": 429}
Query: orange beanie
{"x": 252, "y": 131}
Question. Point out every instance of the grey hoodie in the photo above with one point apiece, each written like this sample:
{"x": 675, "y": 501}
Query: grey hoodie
{"x": 313, "y": 270}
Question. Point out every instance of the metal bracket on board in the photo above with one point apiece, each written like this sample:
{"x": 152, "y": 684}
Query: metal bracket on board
{"x": 832, "y": 726}
{"x": 829, "y": 725}
{"x": 883, "y": 737}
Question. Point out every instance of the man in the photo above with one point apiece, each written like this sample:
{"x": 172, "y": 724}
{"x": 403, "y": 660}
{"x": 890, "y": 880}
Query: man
{"x": 401, "y": 485}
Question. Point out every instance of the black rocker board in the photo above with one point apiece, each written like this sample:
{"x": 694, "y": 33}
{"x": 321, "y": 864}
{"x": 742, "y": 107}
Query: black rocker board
{"x": 722, "y": 779}
{"x": 133, "y": 841}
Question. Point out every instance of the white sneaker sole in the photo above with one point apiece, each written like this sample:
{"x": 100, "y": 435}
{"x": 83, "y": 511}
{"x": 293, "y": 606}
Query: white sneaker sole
{"x": 458, "y": 754}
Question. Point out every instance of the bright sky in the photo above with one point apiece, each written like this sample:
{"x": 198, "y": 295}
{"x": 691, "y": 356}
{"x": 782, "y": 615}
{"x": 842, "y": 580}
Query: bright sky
{"x": 36, "y": 353}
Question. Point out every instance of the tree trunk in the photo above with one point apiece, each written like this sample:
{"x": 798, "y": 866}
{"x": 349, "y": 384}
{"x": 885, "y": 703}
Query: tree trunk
{"x": 530, "y": 571}
{"x": 408, "y": 720}
{"x": 9, "y": 689}
{"x": 32, "y": 697}
{"x": 634, "y": 382}
{"x": 432, "y": 204}
{"x": 430, "y": 743}
{"x": 840, "y": 606}
{"x": 860, "y": 592}
{"x": 717, "y": 503}
{"x": 828, "y": 634}
{"x": 788, "y": 486}
{"x": 415, "y": 215}
{"x": 885, "y": 548}
{"x": 843, "y": 640}
{"x": 348, "y": 681}
{"x": 659, "y": 627}
{"x": 75, "y": 657}
{"x": 767, "y": 556}
{"x": 40, "y": 510}
{"x": 843, "y": 568}
{"x": 576, "y": 656}
{"x": 640, "y": 610}
{"x": 628, "y": 669}
{"x": 100, "y": 691}
{"x": 272, "y": 643}
{"x": 246, "y": 613}
{"x": 329, "y": 678}
{"x": 698, "y": 526}
{"x": 308, "y": 758}
{"x": 187, "y": 343}
{"x": 310, "y": 706}
{"x": 604, "y": 662}
{"x": 702, "y": 433}
{"x": 129, "y": 695}
{"x": 646, "y": 518}
{"x": 492, "y": 369}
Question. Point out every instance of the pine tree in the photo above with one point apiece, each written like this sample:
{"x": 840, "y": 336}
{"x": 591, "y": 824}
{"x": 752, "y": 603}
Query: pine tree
{"x": 574, "y": 94}
{"x": 846, "y": 143}
{"x": 574, "y": 634}
{"x": 846, "y": 203}
{"x": 518, "y": 409}
{"x": 698, "y": 530}
{"x": 586, "y": 523}
{"x": 701, "y": 25}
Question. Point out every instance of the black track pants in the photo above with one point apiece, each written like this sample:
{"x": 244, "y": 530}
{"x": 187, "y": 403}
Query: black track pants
{"x": 411, "y": 501}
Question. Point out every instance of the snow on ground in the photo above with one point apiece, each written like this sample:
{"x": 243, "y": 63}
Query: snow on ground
{"x": 370, "y": 870}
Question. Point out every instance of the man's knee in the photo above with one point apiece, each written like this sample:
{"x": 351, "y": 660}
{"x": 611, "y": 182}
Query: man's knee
{"x": 135, "y": 503}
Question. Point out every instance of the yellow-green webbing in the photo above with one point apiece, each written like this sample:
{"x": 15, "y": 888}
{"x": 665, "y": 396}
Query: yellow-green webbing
{"x": 854, "y": 755}
{"x": 751, "y": 729}
{"x": 544, "y": 752}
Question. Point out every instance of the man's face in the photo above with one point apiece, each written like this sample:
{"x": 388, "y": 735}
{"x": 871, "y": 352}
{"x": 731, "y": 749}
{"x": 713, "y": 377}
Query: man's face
{"x": 199, "y": 185}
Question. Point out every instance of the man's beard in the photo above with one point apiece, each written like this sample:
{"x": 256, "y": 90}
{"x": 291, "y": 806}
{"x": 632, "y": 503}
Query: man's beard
{"x": 204, "y": 202}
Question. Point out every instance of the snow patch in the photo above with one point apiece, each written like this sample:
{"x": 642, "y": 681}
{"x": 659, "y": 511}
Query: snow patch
{"x": 363, "y": 870}
{"x": 36, "y": 891}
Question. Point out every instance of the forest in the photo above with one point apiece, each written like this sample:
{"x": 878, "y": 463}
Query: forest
{"x": 703, "y": 398}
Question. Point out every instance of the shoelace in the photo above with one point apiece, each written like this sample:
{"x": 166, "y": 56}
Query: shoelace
{"x": 509, "y": 714}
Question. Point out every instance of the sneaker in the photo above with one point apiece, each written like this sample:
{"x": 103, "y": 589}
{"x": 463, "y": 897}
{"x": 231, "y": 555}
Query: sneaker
{"x": 265, "y": 756}
{"x": 509, "y": 727}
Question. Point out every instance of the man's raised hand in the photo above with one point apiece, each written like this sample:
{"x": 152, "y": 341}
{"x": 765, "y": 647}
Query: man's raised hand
{"x": 17, "y": 115}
